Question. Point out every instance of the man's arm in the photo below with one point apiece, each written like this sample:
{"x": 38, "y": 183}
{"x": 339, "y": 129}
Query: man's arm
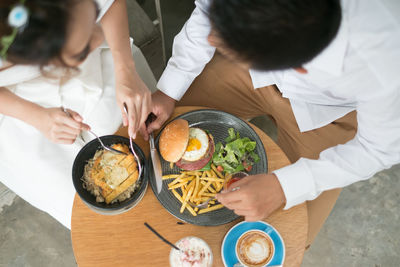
{"x": 190, "y": 53}
{"x": 375, "y": 147}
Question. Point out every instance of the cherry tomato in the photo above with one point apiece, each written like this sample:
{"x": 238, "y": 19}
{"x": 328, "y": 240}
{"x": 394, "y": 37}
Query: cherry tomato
{"x": 248, "y": 168}
{"x": 231, "y": 181}
{"x": 220, "y": 168}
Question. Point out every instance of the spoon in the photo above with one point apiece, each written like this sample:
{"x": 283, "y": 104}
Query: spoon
{"x": 98, "y": 138}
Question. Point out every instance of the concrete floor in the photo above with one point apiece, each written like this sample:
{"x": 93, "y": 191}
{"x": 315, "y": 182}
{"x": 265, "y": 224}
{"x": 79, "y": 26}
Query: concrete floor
{"x": 363, "y": 229}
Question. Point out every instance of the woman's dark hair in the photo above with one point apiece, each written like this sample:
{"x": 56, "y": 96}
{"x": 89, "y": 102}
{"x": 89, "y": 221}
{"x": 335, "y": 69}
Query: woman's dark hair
{"x": 276, "y": 34}
{"x": 43, "y": 37}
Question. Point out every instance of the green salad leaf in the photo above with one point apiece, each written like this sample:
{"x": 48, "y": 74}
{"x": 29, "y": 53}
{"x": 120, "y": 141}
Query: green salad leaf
{"x": 237, "y": 154}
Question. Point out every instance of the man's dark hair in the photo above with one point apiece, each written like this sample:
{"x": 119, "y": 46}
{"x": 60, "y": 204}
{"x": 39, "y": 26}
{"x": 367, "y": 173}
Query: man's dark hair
{"x": 276, "y": 34}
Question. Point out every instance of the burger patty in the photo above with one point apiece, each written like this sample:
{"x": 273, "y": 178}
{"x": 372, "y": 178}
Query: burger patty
{"x": 198, "y": 164}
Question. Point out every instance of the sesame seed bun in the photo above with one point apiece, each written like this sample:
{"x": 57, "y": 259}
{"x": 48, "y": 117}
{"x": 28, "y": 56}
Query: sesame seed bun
{"x": 174, "y": 140}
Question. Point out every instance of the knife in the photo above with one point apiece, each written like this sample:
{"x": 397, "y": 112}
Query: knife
{"x": 155, "y": 158}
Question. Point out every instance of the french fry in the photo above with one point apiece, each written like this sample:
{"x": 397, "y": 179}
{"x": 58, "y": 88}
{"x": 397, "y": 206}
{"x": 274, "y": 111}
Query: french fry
{"x": 179, "y": 178}
{"x": 170, "y": 176}
{"x": 213, "y": 179}
{"x": 190, "y": 209}
{"x": 196, "y": 188}
{"x": 204, "y": 188}
{"x": 176, "y": 194}
{"x": 194, "y": 173}
{"x": 217, "y": 185}
{"x": 210, "y": 189}
{"x": 191, "y": 184}
{"x": 201, "y": 199}
{"x": 216, "y": 207}
{"x": 203, "y": 182}
{"x": 185, "y": 200}
{"x": 178, "y": 185}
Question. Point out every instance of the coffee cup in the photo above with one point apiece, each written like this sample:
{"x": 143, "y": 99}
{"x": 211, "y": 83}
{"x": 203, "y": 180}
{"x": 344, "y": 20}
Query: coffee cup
{"x": 254, "y": 248}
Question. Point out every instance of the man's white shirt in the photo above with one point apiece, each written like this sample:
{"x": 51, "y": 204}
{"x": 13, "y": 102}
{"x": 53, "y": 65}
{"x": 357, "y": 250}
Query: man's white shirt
{"x": 359, "y": 70}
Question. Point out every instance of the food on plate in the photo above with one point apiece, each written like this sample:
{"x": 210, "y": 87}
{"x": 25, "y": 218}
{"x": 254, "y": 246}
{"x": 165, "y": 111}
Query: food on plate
{"x": 194, "y": 252}
{"x": 197, "y": 187}
{"x": 205, "y": 167}
{"x": 111, "y": 177}
{"x": 236, "y": 155}
{"x": 190, "y": 148}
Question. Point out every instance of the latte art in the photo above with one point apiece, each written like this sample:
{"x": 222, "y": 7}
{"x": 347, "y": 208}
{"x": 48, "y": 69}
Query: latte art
{"x": 254, "y": 248}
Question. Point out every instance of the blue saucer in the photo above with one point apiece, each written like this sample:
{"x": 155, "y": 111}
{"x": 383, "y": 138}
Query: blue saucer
{"x": 228, "y": 244}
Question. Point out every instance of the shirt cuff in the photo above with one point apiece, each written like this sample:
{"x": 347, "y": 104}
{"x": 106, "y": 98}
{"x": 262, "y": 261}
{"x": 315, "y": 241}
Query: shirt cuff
{"x": 174, "y": 82}
{"x": 297, "y": 183}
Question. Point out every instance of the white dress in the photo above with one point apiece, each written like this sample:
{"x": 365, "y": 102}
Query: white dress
{"x": 36, "y": 169}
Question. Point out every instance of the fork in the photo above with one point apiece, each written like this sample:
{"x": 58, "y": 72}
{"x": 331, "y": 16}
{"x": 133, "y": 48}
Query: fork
{"x": 204, "y": 204}
{"x": 133, "y": 150}
{"x": 98, "y": 138}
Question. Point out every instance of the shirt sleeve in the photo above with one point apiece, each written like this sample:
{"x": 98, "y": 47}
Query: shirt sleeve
{"x": 190, "y": 53}
{"x": 375, "y": 147}
{"x": 103, "y": 5}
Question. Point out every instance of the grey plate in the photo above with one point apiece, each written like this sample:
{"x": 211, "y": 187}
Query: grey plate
{"x": 217, "y": 123}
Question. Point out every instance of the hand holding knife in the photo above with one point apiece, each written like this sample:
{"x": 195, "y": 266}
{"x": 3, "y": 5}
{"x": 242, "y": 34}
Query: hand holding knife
{"x": 155, "y": 158}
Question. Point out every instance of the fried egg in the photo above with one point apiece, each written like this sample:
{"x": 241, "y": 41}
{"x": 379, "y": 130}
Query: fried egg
{"x": 197, "y": 146}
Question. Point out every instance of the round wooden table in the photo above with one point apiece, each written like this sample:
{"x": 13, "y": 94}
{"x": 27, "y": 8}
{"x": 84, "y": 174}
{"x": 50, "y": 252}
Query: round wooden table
{"x": 123, "y": 240}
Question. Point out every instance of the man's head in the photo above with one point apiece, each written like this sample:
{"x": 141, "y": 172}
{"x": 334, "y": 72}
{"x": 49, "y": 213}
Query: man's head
{"x": 273, "y": 34}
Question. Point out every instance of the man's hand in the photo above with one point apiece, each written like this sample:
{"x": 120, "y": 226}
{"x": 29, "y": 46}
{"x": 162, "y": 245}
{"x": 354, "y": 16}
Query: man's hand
{"x": 132, "y": 91}
{"x": 257, "y": 197}
{"x": 163, "y": 106}
{"x": 60, "y": 127}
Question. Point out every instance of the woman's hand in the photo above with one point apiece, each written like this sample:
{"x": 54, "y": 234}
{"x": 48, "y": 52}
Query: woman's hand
{"x": 132, "y": 91}
{"x": 162, "y": 107}
{"x": 60, "y": 127}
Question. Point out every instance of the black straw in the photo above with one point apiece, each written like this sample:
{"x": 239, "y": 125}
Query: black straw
{"x": 162, "y": 238}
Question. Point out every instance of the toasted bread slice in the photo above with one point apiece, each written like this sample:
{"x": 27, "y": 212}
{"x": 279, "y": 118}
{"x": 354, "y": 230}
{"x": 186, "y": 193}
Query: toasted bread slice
{"x": 122, "y": 187}
{"x": 111, "y": 172}
{"x": 98, "y": 177}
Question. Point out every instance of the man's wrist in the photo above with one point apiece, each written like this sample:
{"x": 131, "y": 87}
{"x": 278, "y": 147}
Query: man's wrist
{"x": 282, "y": 193}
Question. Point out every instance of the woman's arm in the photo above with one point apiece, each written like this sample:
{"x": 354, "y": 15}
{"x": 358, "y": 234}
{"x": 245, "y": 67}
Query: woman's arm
{"x": 55, "y": 124}
{"x": 130, "y": 89}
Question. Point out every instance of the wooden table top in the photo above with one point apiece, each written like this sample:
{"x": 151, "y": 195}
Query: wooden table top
{"x": 123, "y": 240}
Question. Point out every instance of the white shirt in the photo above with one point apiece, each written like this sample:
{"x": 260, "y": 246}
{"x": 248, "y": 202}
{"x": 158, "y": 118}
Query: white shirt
{"x": 36, "y": 169}
{"x": 359, "y": 70}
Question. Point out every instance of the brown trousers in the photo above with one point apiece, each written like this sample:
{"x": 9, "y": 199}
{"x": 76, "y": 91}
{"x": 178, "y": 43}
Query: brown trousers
{"x": 225, "y": 86}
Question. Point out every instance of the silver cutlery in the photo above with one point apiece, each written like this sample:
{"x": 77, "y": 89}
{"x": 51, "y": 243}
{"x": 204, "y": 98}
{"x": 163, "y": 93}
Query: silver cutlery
{"x": 155, "y": 158}
{"x": 101, "y": 143}
{"x": 132, "y": 149}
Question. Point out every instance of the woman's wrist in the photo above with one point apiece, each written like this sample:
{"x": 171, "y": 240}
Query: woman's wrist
{"x": 21, "y": 109}
{"x": 33, "y": 114}
{"x": 126, "y": 74}
{"x": 123, "y": 59}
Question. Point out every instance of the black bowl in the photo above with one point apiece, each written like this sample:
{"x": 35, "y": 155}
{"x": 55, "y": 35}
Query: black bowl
{"x": 85, "y": 154}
